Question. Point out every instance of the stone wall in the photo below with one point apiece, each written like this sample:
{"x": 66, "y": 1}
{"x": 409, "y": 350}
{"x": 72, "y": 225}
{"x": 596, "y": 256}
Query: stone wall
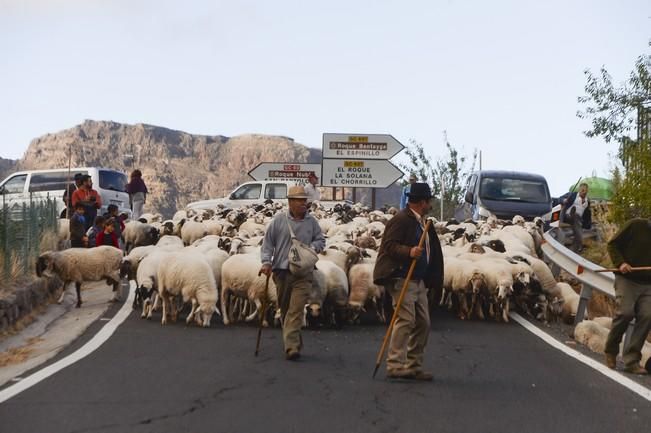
{"x": 22, "y": 301}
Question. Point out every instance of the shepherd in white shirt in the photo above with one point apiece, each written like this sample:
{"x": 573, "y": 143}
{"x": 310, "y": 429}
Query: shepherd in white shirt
{"x": 577, "y": 213}
{"x": 313, "y": 193}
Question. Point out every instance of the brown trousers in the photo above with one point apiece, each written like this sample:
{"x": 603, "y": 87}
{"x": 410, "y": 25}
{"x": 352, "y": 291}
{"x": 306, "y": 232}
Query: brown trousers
{"x": 411, "y": 330}
{"x": 292, "y": 296}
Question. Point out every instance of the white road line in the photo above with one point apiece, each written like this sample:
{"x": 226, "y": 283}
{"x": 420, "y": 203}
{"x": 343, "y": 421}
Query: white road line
{"x": 85, "y": 350}
{"x": 601, "y": 368}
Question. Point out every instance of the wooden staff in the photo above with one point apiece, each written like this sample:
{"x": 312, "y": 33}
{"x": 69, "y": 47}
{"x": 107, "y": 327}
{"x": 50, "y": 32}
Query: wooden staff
{"x": 264, "y": 311}
{"x": 581, "y": 269}
{"x": 412, "y": 266}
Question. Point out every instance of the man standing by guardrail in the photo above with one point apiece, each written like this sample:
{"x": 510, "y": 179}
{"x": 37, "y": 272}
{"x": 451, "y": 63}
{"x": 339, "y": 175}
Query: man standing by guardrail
{"x": 631, "y": 247}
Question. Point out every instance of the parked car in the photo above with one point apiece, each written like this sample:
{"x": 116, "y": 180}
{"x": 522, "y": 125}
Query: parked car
{"x": 504, "y": 194}
{"x": 250, "y": 193}
{"x": 36, "y": 185}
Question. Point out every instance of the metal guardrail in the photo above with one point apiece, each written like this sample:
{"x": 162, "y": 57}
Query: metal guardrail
{"x": 561, "y": 257}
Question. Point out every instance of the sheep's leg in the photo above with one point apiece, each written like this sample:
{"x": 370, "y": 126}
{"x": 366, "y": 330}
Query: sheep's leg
{"x": 257, "y": 308}
{"x": 463, "y": 305}
{"x": 155, "y": 306}
{"x": 473, "y": 305}
{"x": 174, "y": 309}
{"x": 505, "y": 311}
{"x": 192, "y": 311}
{"x": 163, "y": 320}
{"x": 63, "y": 292}
{"x": 442, "y": 301}
{"x": 78, "y": 288}
{"x": 224, "y": 300}
{"x": 116, "y": 286}
{"x": 145, "y": 308}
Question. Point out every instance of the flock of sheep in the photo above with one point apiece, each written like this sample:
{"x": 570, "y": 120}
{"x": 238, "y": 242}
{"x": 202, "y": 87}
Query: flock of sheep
{"x": 210, "y": 259}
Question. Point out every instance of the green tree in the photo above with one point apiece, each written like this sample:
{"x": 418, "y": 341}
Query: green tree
{"x": 619, "y": 113}
{"x": 446, "y": 175}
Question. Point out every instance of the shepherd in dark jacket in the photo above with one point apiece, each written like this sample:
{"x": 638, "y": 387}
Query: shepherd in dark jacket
{"x": 399, "y": 246}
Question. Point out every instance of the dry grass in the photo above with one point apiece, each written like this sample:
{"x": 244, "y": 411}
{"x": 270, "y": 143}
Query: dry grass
{"x": 49, "y": 242}
{"x": 16, "y": 355}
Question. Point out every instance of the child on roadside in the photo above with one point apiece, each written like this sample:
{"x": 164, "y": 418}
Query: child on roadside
{"x": 107, "y": 236}
{"x": 78, "y": 238}
{"x": 92, "y": 232}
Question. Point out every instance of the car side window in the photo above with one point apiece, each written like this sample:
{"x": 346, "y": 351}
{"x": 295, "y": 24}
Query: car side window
{"x": 248, "y": 192}
{"x": 15, "y": 185}
{"x": 276, "y": 191}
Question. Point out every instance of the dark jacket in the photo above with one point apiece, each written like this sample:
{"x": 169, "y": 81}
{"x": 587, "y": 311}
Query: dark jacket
{"x": 136, "y": 185}
{"x": 631, "y": 244}
{"x": 397, "y": 241}
{"x": 77, "y": 227}
{"x": 567, "y": 201}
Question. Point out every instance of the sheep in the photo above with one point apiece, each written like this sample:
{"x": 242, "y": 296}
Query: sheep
{"x": 464, "y": 278}
{"x": 591, "y": 334}
{"x": 499, "y": 280}
{"x": 335, "y": 256}
{"x": 151, "y": 218}
{"x": 571, "y": 302}
{"x": 336, "y": 298}
{"x": 523, "y": 235}
{"x": 169, "y": 243}
{"x": 190, "y": 277}
{"x": 363, "y": 290}
{"x": 191, "y": 231}
{"x": 138, "y": 234}
{"x": 606, "y": 322}
{"x": 251, "y": 227}
{"x": 542, "y": 273}
{"x": 241, "y": 279}
{"x": 315, "y": 299}
{"x": 213, "y": 227}
{"x": 147, "y": 281}
{"x": 82, "y": 264}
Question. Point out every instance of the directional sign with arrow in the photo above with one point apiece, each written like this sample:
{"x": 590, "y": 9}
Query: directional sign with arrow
{"x": 360, "y": 146}
{"x": 286, "y": 171}
{"x": 359, "y": 173}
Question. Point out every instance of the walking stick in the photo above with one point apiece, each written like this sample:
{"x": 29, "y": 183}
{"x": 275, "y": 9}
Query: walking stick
{"x": 412, "y": 266}
{"x": 264, "y": 311}
{"x": 581, "y": 269}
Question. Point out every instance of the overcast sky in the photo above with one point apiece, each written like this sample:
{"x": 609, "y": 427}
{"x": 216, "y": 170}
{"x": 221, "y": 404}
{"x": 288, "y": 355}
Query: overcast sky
{"x": 500, "y": 76}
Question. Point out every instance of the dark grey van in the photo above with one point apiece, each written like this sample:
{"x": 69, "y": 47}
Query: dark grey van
{"x": 504, "y": 194}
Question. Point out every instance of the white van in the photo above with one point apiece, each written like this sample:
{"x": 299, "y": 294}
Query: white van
{"x": 36, "y": 185}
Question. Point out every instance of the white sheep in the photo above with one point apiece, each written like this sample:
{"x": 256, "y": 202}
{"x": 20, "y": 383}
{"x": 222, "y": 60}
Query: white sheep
{"x": 570, "y": 301}
{"x": 364, "y": 291}
{"x": 336, "y": 298}
{"x": 170, "y": 243}
{"x": 190, "y": 277}
{"x": 191, "y": 231}
{"x": 240, "y": 278}
{"x": 82, "y": 264}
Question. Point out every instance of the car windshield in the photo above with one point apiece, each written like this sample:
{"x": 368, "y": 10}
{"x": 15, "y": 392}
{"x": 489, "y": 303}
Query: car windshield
{"x": 113, "y": 180}
{"x": 511, "y": 189}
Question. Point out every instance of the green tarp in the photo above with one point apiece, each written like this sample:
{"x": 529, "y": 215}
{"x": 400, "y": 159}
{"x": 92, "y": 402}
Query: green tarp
{"x": 599, "y": 188}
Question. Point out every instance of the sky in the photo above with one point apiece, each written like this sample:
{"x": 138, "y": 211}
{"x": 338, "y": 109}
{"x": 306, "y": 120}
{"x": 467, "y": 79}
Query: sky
{"x": 501, "y": 77}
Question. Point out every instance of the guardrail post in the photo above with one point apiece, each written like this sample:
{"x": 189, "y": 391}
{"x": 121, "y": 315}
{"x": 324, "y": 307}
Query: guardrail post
{"x": 628, "y": 335}
{"x": 586, "y": 294}
{"x": 556, "y": 270}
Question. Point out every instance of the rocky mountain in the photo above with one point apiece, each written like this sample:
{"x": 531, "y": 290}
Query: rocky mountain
{"x": 7, "y": 166}
{"x": 177, "y": 167}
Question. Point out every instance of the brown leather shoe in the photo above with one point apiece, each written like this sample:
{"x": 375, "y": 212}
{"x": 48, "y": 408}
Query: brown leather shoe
{"x": 611, "y": 361}
{"x": 636, "y": 369}
{"x": 292, "y": 355}
{"x": 425, "y": 376}
{"x": 399, "y": 373}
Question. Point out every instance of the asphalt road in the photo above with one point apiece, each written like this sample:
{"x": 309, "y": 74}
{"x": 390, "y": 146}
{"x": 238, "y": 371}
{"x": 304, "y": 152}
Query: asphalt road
{"x": 489, "y": 377}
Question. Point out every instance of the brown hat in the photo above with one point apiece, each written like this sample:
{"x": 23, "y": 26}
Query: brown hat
{"x": 296, "y": 191}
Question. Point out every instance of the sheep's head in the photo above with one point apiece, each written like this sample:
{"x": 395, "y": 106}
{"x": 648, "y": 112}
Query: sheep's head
{"x": 476, "y": 282}
{"x": 523, "y": 277}
{"x": 168, "y": 228}
{"x": 504, "y": 288}
{"x": 43, "y": 265}
{"x": 153, "y": 235}
{"x": 518, "y": 220}
{"x": 235, "y": 246}
{"x": 556, "y": 306}
{"x": 204, "y": 313}
{"x": 259, "y": 218}
{"x": 477, "y": 249}
{"x": 353, "y": 256}
{"x": 126, "y": 268}
{"x": 314, "y": 310}
{"x": 225, "y": 244}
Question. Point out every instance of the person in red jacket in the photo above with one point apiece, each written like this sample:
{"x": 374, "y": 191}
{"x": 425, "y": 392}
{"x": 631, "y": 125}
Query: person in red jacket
{"x": 108, "y": 236}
